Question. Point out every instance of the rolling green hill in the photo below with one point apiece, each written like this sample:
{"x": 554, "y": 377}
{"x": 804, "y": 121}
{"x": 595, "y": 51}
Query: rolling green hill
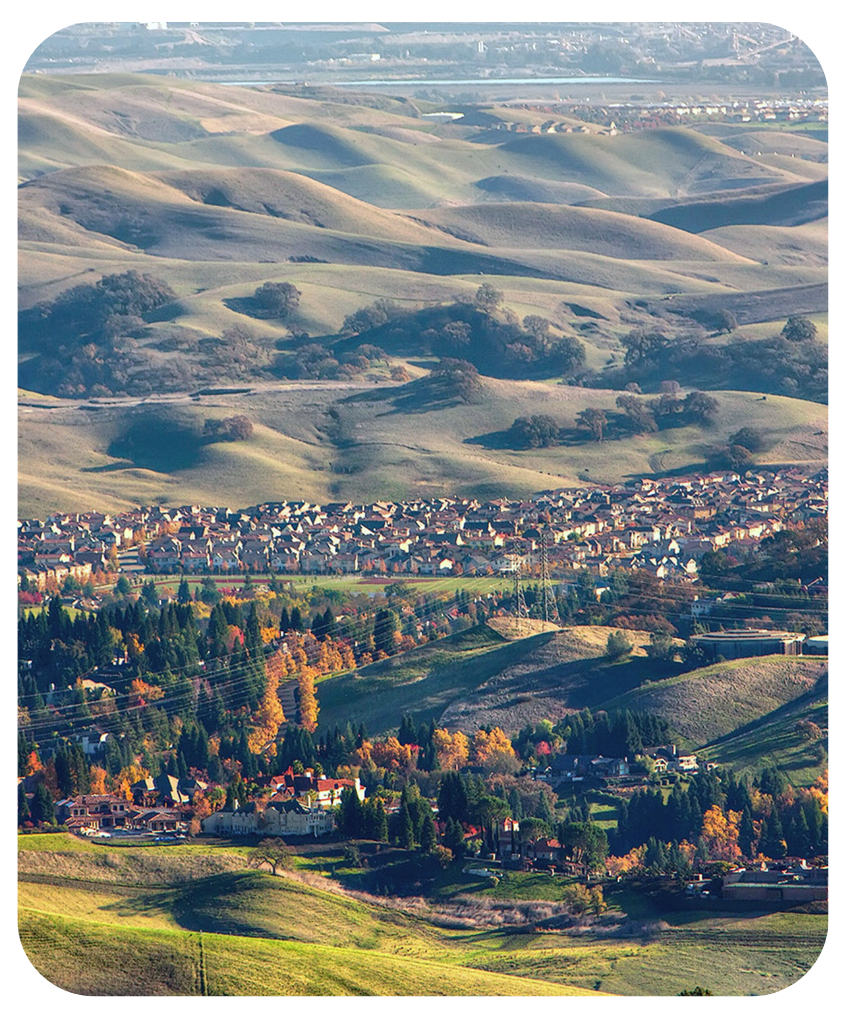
{"x": 149, "y": 921}
{"x": 98, "y": 919}
{"x": 475, "y": 677}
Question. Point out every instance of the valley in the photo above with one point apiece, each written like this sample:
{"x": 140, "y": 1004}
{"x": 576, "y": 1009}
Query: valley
{"x": 415, "y": 424}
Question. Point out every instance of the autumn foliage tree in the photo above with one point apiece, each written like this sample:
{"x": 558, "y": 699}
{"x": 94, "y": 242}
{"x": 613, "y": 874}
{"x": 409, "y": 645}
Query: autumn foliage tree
{"x": 452, "y": 749}
{"x": 493, "y": 750}
{"x": 308, "y": 698}
{"x": 267, "y": 719}
{"x": 720, "y": 831}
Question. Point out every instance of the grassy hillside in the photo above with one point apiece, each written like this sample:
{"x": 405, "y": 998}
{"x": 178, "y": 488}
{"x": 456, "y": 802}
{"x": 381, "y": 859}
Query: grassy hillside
{"x": 538, "y": 226}
{"x": 475, "y": 677}
{"x": 800, "y": 204}
{"x": 387, "y": 439}
{"x": 784, "y": 245}
{"x": 708, "y": 703}
{"x": 167, "y": 929}
{"x": 97, "y": 959}
{"x": 773, "y": 741}
{"x": 667, "y": 162}
{"x": 149, "y": 921}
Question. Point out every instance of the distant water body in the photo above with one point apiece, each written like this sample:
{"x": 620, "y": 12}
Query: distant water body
{"x": 423, "y": 82}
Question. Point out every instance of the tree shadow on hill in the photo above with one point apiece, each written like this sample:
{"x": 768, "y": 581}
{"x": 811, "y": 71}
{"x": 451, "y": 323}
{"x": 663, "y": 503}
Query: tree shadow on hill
{"x": 110, "y": 468}
{"x": 249, "y": 306}
{"x": 420, "y": 396}
{"x": 155, "y": 442}
{"x": 568, "y": 438}
{"x": 215, "y": 905}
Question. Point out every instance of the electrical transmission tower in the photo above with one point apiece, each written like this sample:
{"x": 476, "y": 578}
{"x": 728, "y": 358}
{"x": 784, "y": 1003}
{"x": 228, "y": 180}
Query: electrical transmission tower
{"x": 519, "y": 600}
{"x": 548, "y": 601}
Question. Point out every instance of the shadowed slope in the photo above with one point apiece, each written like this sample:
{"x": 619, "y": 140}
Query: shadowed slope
{"x": 532, "y": 225}
{"x": 667, "y": 161}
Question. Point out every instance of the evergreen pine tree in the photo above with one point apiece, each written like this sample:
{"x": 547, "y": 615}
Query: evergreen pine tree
{"x": 814, "y": 819}
{"x": 407, "y": 731}
{"x": 428, "y": 836}
{"x": 776, "y": 845}
{"x": 406, "y": 828}
{"x": 454, "y": 837}
{"x": 746, "y": 834}
{"x": 41, "y": 805}
{"x": 23, "y": 805}
{"x": 381, "y": 831}
{"x": 63, "y": 773}
{"x": 798, "y": 837}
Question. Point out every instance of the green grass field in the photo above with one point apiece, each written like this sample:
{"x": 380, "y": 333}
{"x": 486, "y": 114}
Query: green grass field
{"x": 191, "y": 920}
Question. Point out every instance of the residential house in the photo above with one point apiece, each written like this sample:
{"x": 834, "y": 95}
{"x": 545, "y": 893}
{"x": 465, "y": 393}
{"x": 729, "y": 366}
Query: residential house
{"x": 94, "y": 812}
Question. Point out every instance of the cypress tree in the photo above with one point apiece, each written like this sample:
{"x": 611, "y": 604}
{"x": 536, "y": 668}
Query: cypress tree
{"x": 23, "y": 805}
{"x": 814, "y": 820}
{"x": 63, "y": 773}
{"x": 381, "y": 831}
{"x": 798, "y": 838}
{"x": 284, "y": 621}
{"x": 776, "y": 847}
{"x": 407, "y": 731}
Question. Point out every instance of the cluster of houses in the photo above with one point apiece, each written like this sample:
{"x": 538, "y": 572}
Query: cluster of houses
{"x": 628, "y": 116}
{"x": 660, "y": 526}
{"x": 294, "y": 804}
{"x": 299, "y": 805}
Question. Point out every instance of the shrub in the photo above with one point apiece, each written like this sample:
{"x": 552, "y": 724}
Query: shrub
{"x": 618, "y": 646}
{"x": 231, "y": 429}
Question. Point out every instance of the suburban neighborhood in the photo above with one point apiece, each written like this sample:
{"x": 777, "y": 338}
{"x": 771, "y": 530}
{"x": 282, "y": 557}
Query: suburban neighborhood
{"x": 662, "y": 527}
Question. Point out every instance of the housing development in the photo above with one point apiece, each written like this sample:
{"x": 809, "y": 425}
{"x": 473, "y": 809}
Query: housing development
{"x": 662, "y": 526}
